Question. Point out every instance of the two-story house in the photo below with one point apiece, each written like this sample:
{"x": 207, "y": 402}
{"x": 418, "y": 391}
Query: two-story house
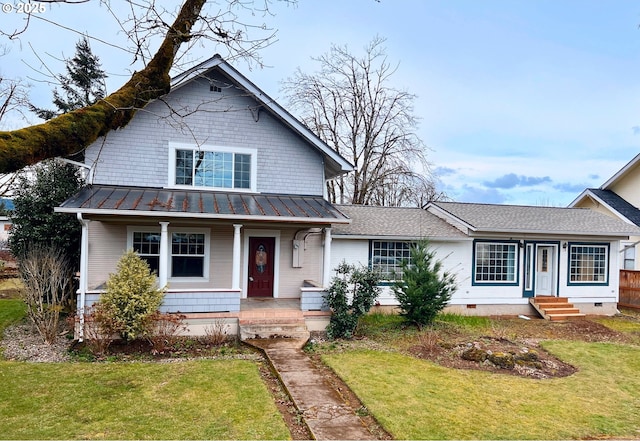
{"x": 221, "y": 191}
{"x": 619, "y": 197}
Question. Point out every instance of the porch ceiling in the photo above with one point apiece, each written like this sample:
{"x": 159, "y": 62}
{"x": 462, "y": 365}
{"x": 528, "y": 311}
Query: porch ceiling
{"x": 157, "y": 202}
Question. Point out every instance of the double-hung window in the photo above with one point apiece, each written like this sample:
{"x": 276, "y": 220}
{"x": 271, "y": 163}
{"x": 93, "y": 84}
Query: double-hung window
{"x": 495, "y": 263}
{"x": 147, "y": 245}
{"x": 588, "y": 263}
{"x": 212, "y": 167}
{"x": 387, "y": 257}
{"x": 188, "y": 253}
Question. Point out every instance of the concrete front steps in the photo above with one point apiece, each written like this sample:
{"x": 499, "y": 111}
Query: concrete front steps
{"x": 555, "y": 308}
{"x": 273, "y": 323}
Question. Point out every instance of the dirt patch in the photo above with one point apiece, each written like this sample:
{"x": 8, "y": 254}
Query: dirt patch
{"x": 525, "y": 359}
{"x": 514, "y": 348}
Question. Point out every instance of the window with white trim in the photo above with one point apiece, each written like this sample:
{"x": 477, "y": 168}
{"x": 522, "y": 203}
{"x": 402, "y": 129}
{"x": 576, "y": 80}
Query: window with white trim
{"x": 495, "y": 262}
{"x": 212, "y": 167}
{"x": 147, "y": 245}
{"x": 629, "y": 257}
{"x": 188, "y": 254}
{"x": 588, "y": 263}
{"x": 387, "y": 257}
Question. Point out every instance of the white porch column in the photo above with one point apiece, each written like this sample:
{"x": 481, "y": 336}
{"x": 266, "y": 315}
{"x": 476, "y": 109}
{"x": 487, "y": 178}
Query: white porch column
{"x": 84, "y": 271}
{"x": 326, "y": 264}
{"x": 235, "y": 273}
{"x": 163, "y": 266}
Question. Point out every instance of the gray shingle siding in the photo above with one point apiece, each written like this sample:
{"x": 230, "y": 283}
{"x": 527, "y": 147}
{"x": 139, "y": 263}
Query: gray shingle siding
{"x": 137, "y": 155}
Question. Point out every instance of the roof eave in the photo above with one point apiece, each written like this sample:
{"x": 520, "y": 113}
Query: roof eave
{"x": 623, "y": 171}
{"x": 384, "y": 237}
{"x": 552, "y": 232}
{"x": 183, "y": 215}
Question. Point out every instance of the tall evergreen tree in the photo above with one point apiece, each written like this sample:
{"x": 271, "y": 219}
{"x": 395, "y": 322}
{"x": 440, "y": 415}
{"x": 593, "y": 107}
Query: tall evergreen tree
{"x": 34, "y": 221}
{"x": 83, "y": 85}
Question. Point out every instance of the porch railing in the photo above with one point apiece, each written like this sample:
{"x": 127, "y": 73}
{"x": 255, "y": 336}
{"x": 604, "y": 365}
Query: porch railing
{"x": 629, "y": 289}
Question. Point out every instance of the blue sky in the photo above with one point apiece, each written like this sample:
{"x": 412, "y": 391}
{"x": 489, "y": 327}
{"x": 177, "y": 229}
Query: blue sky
{"x": 520, "y": 102}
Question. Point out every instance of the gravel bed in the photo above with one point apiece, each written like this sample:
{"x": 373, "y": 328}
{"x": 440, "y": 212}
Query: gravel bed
{"x": 23, "y": 343}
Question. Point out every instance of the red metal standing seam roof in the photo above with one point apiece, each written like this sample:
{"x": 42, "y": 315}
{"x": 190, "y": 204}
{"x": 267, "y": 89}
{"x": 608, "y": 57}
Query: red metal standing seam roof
{"x": 108, "y": 199}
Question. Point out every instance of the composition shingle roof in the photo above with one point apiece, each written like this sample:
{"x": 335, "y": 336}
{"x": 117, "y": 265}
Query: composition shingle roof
{"x": 530, "y": 219}
{"x": 372, "y": 221}
{"x": 618, "y": 204}
{"x": 117, "y": 200}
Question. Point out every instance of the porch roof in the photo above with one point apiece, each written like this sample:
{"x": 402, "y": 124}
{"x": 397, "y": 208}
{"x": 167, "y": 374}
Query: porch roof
{"x": 160, "y": 202}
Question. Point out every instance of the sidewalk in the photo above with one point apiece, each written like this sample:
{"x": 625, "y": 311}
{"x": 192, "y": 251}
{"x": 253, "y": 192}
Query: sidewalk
{"x": 325, "y": 413}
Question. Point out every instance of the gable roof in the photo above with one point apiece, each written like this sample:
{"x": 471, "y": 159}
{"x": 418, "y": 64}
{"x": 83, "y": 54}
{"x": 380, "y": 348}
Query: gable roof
{"x": 198, "y": 204}
{"x": 488, "y": 218}
{"x": 614, "y": 203}
{"x": 621, "y": 173}
{"x": 335, "y": 164}
{"x": 391, "y": 222}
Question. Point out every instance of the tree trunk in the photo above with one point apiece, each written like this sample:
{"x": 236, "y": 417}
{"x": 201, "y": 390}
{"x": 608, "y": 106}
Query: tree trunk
{"x": 72, "y": 132}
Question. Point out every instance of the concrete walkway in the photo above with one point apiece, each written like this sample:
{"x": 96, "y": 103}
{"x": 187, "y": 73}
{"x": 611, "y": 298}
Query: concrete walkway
{"x": 322, "y": 407}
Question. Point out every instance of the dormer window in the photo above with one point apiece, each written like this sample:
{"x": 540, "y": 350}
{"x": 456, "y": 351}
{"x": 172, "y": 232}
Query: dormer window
{"x": 212, "y": 167}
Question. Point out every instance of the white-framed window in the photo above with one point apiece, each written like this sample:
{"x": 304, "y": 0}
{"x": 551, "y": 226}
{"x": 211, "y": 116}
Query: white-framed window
{"x": 189, "y": 251}
{"x": 147, "y": 245}
{"x": 629, "y": 257}
{"x": 387, "y": 257}
{"x": 214, "y": 167}
{"x": 588, "y": 263}
{"x": 495, "y": 263}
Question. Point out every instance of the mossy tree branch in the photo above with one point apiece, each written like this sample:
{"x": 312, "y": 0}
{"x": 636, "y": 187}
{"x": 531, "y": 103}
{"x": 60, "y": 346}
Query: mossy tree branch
{"x": 73, "y": 131}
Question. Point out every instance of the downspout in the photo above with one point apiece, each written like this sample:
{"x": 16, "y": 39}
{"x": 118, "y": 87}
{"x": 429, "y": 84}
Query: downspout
{"x": 84, "y": 255}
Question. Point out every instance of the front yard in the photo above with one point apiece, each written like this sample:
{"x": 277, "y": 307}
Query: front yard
{"x": 584, "y": 383}
{"x": 405, "y": 379}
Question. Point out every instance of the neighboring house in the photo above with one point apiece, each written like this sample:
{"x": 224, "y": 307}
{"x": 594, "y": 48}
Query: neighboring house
{"x": 225, "y": 201}
{"x": 619, "y": 197}
{"x": 5, "y": 222}
{"x": 501, "y": 255}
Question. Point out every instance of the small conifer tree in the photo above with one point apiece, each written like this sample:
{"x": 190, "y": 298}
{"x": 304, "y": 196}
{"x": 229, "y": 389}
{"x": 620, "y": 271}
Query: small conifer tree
{"x": 131, "y": 298}
{"x": 424, "y": 289}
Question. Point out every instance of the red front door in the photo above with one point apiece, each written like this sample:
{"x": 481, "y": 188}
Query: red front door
{"x": 260, "y": 269}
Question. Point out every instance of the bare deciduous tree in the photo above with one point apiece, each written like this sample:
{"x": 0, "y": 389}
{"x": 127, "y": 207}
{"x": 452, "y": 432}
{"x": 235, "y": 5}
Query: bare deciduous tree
{"x": 47, "y": 279}
{"x": 192, "y": 23}
{"x": 351, "y": 105}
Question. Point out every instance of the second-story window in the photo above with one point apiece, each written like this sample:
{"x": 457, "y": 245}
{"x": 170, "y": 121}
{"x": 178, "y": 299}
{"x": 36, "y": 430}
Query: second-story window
{"x": 213, "y": 168}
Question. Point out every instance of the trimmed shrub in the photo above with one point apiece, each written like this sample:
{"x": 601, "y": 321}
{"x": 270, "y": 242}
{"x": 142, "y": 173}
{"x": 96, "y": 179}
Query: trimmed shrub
{"x": 351, "y": 295}
{"x": 131, "y": 299}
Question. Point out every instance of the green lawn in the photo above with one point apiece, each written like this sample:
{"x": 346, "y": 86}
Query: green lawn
{"x": 207, "y": 399}
{"x": 417, "y": 399}
{"x": 11, "y": 311}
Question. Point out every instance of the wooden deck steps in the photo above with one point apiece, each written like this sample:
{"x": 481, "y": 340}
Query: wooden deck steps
{"x": 555, "y": 308}
{"x": 272, "y": 323}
